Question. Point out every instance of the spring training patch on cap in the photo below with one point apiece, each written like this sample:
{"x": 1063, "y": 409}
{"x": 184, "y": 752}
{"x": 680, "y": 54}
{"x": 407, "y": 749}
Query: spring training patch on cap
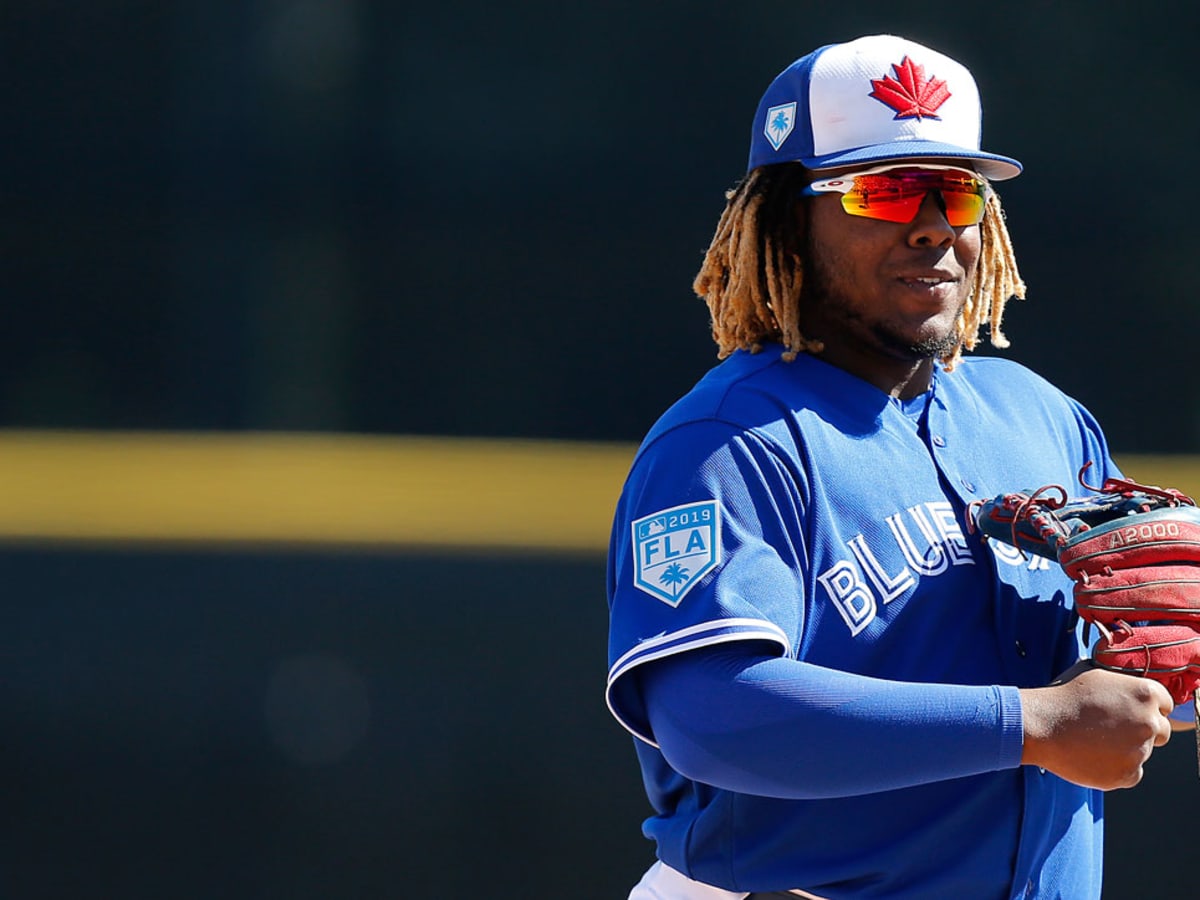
{"x": 780, "y": 122}
{"x": 674, "y": 548}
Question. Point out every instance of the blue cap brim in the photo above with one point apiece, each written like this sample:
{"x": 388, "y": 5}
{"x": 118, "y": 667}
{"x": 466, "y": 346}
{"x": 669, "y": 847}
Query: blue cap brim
{"x": 990, "y": 165}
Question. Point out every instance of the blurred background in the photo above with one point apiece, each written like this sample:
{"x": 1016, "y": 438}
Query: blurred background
{"x": 330, "y": 327}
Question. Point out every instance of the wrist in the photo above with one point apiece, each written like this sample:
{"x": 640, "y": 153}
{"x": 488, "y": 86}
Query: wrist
{"x": 1034, "y": 732}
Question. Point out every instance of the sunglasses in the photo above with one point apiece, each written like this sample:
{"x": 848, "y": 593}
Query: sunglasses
{"x": 895, "y": 193}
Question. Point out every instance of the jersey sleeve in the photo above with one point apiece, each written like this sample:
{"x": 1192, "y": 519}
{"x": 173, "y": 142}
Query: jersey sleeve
{"x": 706, "y": 548}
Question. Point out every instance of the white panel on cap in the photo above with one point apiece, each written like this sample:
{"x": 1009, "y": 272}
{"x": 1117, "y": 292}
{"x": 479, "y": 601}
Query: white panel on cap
{"x": 846, "y": 116}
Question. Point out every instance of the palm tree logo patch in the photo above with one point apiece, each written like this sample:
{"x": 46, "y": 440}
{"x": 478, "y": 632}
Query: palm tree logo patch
{"x": 780, "y": 122}
{"x": 674, "y": 548}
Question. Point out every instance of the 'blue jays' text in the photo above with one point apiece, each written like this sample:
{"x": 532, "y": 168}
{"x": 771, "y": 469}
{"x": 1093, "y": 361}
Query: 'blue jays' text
{"x": 930, "y": 541}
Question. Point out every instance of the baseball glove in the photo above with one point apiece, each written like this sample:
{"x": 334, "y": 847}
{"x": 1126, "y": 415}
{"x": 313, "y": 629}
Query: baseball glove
{"x": 1133, "y": 551}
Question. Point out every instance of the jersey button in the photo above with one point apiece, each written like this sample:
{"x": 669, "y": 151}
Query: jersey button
{"x": 939, "y": 441}
{"x": 1020, "y": 649}
{"x": 968, "y": 485}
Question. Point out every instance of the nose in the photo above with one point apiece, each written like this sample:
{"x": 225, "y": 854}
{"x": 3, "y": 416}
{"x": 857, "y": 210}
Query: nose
{"x": 930, "y": 228}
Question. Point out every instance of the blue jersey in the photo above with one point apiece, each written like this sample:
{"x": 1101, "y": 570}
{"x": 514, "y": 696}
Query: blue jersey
{"x": 795, "y": 505}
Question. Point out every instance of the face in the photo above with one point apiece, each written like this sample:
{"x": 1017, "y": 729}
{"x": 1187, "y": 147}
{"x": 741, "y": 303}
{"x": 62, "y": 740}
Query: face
{"x": 884, "y": 295}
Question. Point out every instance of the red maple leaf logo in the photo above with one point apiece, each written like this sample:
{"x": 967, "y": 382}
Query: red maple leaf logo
{"x": 909, "y": 93}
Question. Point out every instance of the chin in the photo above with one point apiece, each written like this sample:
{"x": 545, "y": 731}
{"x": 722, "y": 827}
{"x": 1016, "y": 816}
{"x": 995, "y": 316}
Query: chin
{"x": 926, "y": 343}
{"x": 930, "y": 351}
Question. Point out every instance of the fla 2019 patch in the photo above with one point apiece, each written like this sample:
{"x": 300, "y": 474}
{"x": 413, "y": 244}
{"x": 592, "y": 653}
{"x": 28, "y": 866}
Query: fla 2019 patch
{"x": 674, "y": 548}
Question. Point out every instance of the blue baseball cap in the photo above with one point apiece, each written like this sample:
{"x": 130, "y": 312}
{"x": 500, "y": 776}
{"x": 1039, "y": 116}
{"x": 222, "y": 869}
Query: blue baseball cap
{"x": 871, "y": 100}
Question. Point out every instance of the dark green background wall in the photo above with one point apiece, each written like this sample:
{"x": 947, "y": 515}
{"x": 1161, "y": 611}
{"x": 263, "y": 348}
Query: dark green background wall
{"x": 474, "y": 218}
{"x": 253, "y": 725}
{"x": 460, "y": 219}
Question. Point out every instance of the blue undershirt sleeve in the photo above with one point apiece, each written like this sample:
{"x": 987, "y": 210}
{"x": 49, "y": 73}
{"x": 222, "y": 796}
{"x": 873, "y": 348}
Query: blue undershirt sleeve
{"x": 738, "y": 718}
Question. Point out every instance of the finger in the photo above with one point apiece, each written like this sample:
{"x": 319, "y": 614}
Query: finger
{"x": 1166, "y": 703}
{"x": 1160, "y": 696}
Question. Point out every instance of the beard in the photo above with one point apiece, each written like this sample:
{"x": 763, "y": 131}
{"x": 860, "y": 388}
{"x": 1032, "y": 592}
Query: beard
{"x": 933, "y": 347}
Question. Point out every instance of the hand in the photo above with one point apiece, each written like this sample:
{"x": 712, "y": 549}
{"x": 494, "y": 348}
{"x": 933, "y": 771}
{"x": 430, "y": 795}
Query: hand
{"x": 1094, "y": 727}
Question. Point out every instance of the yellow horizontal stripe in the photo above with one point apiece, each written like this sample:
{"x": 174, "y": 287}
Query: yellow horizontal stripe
{"x": 309, "y": 489}
{"x": 338, "y": 489}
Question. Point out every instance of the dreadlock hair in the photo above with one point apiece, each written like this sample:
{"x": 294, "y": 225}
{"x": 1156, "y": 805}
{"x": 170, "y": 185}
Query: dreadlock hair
{"x": 753, "y": 272}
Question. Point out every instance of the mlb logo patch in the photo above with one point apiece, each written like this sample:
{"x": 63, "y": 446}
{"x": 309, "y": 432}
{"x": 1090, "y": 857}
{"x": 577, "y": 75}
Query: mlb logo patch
{"x": 674, "y": 548}
{"x": 780, "y": 122}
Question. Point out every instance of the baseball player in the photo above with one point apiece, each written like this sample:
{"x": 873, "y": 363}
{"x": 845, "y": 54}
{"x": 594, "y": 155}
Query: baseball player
{"x": 836, "y": 688}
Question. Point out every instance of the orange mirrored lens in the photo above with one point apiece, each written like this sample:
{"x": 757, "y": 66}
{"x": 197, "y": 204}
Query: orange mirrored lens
{"x": 896, "y": 197}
